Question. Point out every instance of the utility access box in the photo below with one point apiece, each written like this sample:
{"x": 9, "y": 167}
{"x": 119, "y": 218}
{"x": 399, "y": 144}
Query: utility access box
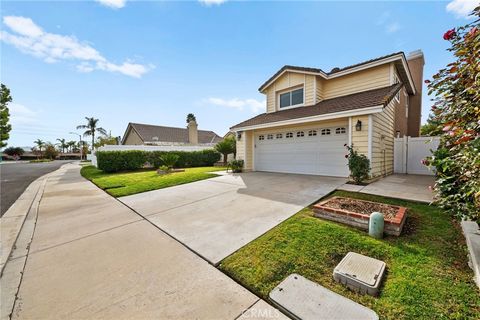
{"x": 360, "y": 273}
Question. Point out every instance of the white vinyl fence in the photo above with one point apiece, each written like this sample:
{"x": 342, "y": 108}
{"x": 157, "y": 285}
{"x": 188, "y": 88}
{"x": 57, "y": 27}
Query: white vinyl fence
{"x": 151, "y": 148}
{"x": 409, "y": 153}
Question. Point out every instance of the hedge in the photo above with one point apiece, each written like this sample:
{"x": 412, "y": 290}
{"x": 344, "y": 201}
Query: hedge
{"x": 114, "y": 161}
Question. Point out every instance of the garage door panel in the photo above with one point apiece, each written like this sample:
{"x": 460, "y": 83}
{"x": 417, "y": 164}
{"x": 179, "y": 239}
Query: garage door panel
{"x": 321, "y": 155}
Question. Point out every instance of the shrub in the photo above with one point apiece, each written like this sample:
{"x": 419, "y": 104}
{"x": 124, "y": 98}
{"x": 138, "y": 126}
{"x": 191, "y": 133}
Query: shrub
{"x": 169, "y": 159}
{"x": 456, "y": 111}
{"x": 114, "y": 161}
{"x": 236, "y": 165}
{"x": 12, "y": 151}
{"x": 358, "y": 164}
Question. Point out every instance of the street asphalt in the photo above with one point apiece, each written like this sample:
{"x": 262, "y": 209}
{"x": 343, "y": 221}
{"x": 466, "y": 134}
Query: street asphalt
{"x": 15, "y": 178}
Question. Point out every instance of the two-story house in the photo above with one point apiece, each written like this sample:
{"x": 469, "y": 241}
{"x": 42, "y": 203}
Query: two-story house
{"x": 311, "y": 114}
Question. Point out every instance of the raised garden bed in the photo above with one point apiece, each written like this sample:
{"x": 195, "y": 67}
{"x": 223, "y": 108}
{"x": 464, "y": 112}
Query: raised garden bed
{"x": 356, "y": 213}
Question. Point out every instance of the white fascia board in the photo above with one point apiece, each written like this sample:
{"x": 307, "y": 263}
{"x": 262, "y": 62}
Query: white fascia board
{"x": 328, "y": 116}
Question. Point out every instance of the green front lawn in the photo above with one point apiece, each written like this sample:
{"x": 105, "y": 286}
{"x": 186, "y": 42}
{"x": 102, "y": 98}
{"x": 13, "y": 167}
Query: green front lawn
{"x": 127, "y": 183}
{"x": 427, "y": 272}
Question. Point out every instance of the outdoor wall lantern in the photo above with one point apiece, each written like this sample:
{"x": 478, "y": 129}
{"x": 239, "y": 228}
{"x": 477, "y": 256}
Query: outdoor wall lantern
{"x": 239, "y": 135}
{"x": 358, "y": 126}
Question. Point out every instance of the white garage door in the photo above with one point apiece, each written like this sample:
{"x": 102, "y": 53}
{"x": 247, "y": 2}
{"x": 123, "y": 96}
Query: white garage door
{"x": 317, "y": 151}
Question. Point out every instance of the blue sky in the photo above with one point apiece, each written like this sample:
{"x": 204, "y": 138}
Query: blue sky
{"x": 154, "y": 62}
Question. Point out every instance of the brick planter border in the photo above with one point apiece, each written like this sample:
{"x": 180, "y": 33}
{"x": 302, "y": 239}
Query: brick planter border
{"x": 393, "y": 226}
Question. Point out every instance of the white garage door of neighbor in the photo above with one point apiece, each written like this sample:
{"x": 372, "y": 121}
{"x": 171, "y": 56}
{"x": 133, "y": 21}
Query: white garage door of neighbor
{"x": 318, "y": 151}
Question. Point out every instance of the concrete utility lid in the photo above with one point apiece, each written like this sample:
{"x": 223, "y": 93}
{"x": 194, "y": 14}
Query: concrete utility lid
{"x": 360, "y": 273}
{"x": 304, "y": 299}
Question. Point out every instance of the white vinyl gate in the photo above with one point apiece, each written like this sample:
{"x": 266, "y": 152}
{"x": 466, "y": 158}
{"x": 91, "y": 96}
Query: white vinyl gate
{"x": 409, "y": 153}
{"x": 318, "y": 151}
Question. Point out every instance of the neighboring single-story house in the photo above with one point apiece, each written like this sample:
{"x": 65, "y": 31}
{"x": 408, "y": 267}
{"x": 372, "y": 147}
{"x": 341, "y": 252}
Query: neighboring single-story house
{"x": 146, "y": 134}
{"x": 311, "y": 114}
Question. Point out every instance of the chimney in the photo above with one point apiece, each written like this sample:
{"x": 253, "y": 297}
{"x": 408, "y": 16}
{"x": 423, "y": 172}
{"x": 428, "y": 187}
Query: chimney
{"x": 192, "y": 132}
{"x": 416, "y": 62}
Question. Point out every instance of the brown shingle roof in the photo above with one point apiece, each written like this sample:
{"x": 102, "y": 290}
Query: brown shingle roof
{"x": 152, "y": 133}
{"x": 317, "y": 70}
{"x": 365, "y": 99}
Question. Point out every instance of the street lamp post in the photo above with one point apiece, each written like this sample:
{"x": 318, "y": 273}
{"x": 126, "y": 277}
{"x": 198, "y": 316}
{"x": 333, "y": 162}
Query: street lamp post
{"x": 79, "y": 143}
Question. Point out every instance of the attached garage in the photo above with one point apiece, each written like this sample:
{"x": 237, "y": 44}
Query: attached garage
{"x": 316, "y": 150}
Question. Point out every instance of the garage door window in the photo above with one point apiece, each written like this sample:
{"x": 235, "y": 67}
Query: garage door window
{"x": 340, "y": 130}
{"x": 312, "y": 133}
{"x": 279, "y": 136}
{"x": 325, "y": 132}
{"x": 289, "y": 135}
{"x": 300, "y": 134}
{"x": 261, "y": 137}
{"x": 270, "y": 137}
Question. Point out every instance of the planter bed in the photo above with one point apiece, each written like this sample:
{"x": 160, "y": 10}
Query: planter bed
{"x": 356, "y": 213}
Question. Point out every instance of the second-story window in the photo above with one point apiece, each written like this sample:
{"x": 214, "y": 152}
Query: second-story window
{"x": 291, "y": 98}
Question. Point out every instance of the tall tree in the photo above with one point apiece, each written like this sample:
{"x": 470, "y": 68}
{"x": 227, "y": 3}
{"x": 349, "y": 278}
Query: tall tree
{"x": 5, "y": 126}
{"x": 92, "y": 128}
{"x": 71, "y": 145}
{"x": 40, "y": 144}
{"x": 191, "y": 117}
{"x": 62, "y": 144}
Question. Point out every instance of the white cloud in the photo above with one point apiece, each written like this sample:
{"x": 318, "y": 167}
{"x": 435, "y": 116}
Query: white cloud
{"x": 212, "y": 2}
{"x": 31, "y": 39}
{"x": 462, "y": 8}
{"x": 392, "y": 27}
{"x": 115, "y": 4}
{"x": 385, "y": 20}
{"x": 20, "y": 114}
{"x": 254, "y": 105}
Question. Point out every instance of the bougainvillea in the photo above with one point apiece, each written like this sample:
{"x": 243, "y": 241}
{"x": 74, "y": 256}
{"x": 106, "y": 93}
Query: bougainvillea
{"x": 456, "y": 110}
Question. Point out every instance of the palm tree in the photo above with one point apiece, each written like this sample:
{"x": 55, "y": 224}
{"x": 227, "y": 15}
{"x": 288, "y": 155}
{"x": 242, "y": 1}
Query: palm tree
{"x": 92, "y": 128}
{"x": 225, "y": 147}
{"x": 40, "y": 144}
{"x": 62, "y": 144}
{"x": 71, "y": 145}
{"x": 191, "y": 117}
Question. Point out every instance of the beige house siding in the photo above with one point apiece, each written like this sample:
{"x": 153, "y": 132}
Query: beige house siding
{"x": 309, "y": 90}
{"x": 133, "y": 138}
{"x": 319, "y": 88}
{"x": 382, "y": 141}
{"x": 372, "y": 78}
{"x": 249, "y": 143}
{"x": 271, "y": 99}
{"x": 360, "y": 138}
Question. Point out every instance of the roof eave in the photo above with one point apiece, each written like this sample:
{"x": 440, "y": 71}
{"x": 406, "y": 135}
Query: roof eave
{"x": 327, "y": 116}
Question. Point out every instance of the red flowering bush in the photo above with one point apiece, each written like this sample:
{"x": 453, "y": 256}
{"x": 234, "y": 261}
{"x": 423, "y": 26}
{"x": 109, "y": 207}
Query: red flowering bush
{"x": 457, "y": 116}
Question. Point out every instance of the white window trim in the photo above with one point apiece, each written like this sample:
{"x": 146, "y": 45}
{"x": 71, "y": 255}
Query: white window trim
{"x": 287, "y": 91}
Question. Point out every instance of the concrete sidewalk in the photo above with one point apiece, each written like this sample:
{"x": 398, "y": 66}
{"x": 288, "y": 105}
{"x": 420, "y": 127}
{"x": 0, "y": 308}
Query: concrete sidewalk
{"x": 92, "y": 257}
{"x": 402, "y": 186}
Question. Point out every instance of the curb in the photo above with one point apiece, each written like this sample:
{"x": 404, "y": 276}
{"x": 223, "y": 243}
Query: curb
{"x": 471, "y": 231}
{"x": 12, "y": 221}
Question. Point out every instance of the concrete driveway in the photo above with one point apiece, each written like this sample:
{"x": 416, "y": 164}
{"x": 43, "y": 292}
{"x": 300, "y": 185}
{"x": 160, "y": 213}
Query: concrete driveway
{"x": 216, "y": 217}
